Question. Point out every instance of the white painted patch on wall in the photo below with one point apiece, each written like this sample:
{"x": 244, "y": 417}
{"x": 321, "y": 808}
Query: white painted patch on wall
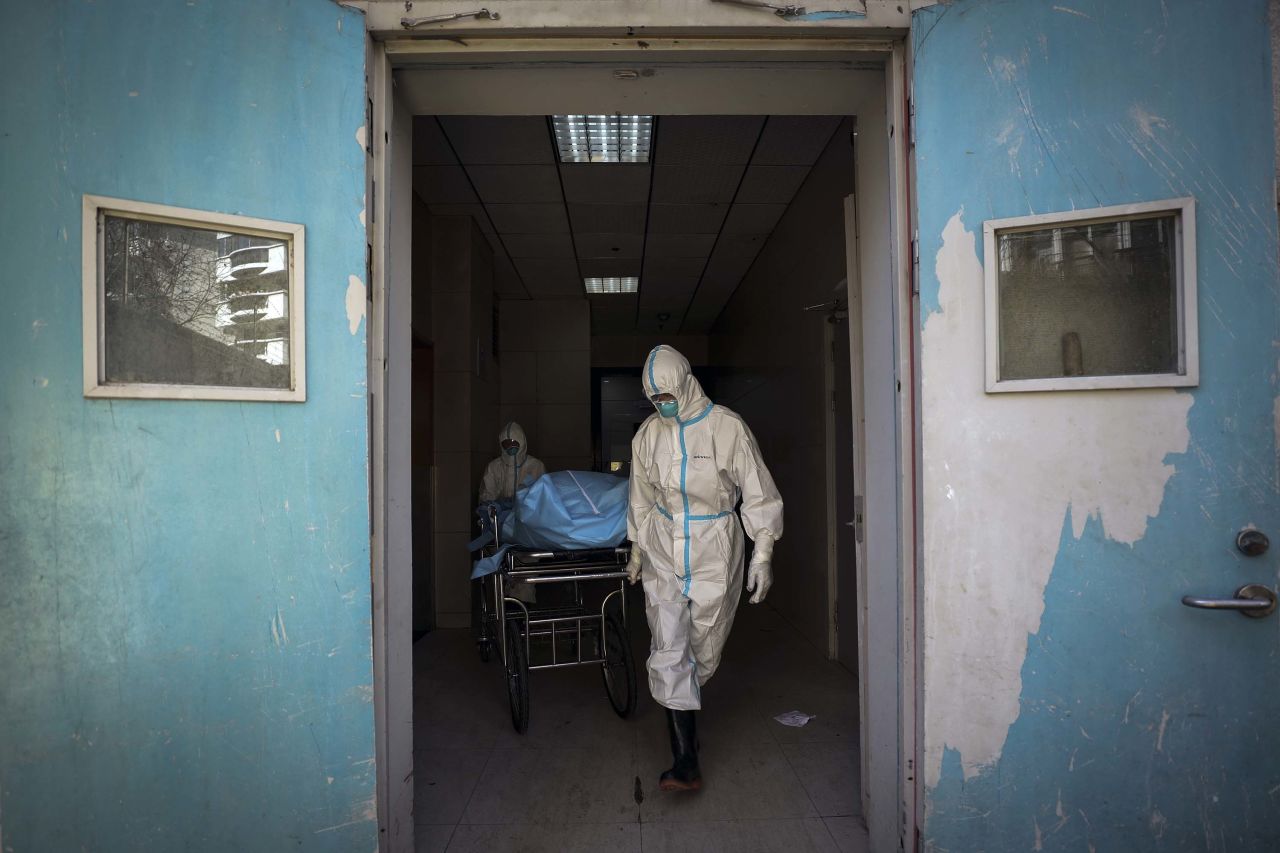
{"x": 355, "y": 302}
{"x": 1146, "y": 120}
{"x": 361, "y": 133}
{"x": 1000, "y": 473}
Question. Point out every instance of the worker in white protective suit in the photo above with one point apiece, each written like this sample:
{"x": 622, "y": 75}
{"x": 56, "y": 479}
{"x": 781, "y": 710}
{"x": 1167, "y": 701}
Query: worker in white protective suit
{"x": 692, "y": 462}
{"x": 513, "y": 469}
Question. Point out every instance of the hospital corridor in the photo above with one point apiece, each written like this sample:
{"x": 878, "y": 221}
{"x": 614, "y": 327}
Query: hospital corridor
{"x": 631, "y": 455}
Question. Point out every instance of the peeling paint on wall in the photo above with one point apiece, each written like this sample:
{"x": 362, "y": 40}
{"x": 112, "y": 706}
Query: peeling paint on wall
{"x": 1000, "y": 472}
{"x": 355, "y": 303}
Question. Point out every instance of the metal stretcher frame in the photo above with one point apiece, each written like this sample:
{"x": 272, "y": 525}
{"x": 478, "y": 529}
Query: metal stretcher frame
{"x": 522, "y": 623}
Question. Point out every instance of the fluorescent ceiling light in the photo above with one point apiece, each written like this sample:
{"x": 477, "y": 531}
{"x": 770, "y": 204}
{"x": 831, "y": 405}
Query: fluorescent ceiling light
{"x": 603, "y": 138}
{"x": 613, "y": 284}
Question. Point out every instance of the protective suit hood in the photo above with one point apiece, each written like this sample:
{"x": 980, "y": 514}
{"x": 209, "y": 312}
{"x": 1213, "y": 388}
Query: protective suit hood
{"x": 514, "y": 432}
{"x": 666, "y": 371}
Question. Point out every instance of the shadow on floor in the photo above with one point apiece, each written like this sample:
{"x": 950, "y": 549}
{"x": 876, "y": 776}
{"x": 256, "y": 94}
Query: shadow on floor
{"x": 582, "y": 779}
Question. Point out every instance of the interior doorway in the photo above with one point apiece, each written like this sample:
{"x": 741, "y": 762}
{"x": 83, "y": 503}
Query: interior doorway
{"x": 532, "y": 337}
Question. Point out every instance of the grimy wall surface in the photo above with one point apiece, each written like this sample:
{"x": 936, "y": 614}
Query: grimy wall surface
{"x": 184, "y": 586}
{"x": 774, "y": 354}
{"x": 1070, "y": 701}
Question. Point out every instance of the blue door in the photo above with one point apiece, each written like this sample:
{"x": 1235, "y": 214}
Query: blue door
{"x": 1072, "y": 701}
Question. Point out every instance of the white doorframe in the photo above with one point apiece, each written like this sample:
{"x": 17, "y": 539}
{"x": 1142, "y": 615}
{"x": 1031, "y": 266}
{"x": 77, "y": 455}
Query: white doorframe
{"x": 388, "y": 209}
{"x": 888, "y": 681}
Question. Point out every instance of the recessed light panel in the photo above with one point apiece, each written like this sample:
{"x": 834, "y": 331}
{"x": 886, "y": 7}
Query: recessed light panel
{"x": 603, "y": 138}
{"x": 613, "y": 284}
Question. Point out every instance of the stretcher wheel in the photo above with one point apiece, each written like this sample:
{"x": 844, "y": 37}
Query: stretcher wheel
{"x": 619, "y": 666}
{"x": 517, "y": 667}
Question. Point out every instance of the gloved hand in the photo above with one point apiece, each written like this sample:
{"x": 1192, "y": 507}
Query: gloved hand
{"x": 760, "y": 572}
{"x": 634, "y": 564}
{"x": 759, "y": 579}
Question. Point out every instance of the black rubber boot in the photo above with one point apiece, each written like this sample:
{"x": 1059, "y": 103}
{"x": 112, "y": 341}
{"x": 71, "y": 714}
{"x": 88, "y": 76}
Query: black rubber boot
{"x": 684, "y": 775}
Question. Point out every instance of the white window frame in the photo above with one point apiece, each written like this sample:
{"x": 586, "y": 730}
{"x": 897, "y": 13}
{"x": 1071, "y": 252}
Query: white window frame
{"x": 94, "y": 324}
{"x": 1188, "y": 373}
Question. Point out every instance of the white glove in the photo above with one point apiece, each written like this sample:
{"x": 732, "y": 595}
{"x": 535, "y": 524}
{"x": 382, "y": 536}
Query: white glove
{"x": 633, "y": 565}
{"x": 759, "y": 579}
{"x": 760, "y": 572}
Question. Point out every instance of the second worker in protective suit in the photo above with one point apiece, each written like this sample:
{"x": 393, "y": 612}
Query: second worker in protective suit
{"x": 513, "y": 469}
{"x": 692, "y": 461}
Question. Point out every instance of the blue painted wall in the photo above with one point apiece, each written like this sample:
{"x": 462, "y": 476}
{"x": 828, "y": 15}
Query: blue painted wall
{"x": 1144, "y": 725}
{"x": 184, "y": 586}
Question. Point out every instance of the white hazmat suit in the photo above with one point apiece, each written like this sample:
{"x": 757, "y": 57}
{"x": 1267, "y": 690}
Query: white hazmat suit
{"x": 507, "y": 473}
{"x": 688, "y": 473}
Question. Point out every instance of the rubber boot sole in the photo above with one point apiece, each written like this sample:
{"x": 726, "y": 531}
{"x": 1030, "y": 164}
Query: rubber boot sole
{"x": 677, "y": 785}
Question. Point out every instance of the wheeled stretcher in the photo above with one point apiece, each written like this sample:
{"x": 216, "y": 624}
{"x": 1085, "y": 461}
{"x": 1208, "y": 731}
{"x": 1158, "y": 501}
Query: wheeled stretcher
{"x": 530, "y": 637}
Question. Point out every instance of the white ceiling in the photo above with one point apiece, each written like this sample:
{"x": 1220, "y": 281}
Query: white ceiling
{"x": 690, "y": 223}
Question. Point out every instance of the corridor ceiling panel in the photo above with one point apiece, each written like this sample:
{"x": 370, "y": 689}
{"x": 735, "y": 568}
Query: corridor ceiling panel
{"x": 539, "y": 245}
{"x": 609, "y": 245}
{"x": 517, "y": 184}
{"x": 695, "y": 184}
{"x": 515, "y": 140}
{"x": 605, "y": 183}
{"x": 794, "y": 140}
{"x": 706, "y": 140}
{"x": 689, "y": 224}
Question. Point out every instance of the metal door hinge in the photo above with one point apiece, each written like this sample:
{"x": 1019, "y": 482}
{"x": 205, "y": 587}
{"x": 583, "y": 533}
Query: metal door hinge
{"x": 858, "y": 503}
{"x": 911, "y": 121}
{"x": 479, "y": 15}
{"x": 781, "y": 11}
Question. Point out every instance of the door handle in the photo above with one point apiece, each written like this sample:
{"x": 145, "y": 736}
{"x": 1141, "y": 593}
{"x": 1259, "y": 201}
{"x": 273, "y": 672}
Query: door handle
{"x": 1253, "y": 600}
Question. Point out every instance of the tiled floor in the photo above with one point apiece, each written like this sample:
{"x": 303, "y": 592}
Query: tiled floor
{"x": 570, "y": 782}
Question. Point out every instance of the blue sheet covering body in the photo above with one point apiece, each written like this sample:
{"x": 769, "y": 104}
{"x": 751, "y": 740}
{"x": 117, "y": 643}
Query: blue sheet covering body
{"x": 562, "y": 511}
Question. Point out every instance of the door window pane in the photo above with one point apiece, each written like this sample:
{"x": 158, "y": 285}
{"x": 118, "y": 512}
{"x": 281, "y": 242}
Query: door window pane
{"x": 1096, "y": 299}
{"x": 184, "y": 305}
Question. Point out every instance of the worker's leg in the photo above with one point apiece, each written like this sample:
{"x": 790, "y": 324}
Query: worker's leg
{"x": 672, "y": 679}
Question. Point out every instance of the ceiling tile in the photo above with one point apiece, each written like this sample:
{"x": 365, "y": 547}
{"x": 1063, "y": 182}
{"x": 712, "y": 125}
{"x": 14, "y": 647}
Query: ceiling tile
{"x": 604, "y": 267}
{"x": 475, "y": 211}
{"x": 738, "y": 245}
{"x": 515, "y": 140}
{"x": 686, "y": 218}
{"x": 607, "y": 218}
{"x": 771, "y": 184}
{"x": 528, "y": 218}
{"x": 753, "y": 218}
{"x": 667, "y": 289}
{"x": 794, "y": 140}
{"x": 516, "y": 184}
{"x": 613, "y": 314}
{"x": 679, "y": 268}
{"x": 733, "y": 257}
{"x": 539, "y": 245}
{"x": 549, "y": 276}
{"x": 443, "y": 185}
{"x": 679, "y": 245}
{"x": 704, "y": 140}
{"x": 609, "y": 245}
{"x": 605, "y": 183}
{"x": 430, "y": 148}
{"x": 695, "y": 184}
{"x": 662, "y": 317}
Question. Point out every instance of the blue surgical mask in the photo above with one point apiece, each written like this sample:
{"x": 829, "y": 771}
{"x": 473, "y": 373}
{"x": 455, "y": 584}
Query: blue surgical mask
{"x": 512, "y": 451}
{"x": 668, "y": 408}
